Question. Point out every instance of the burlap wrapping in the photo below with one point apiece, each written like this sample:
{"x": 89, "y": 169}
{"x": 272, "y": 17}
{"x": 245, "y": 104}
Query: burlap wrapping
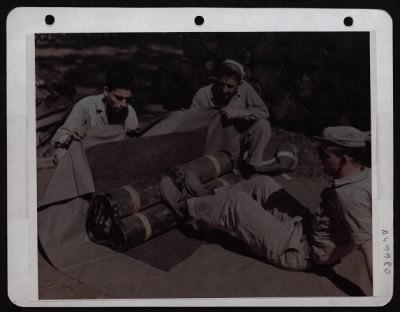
{"x": 133, "y": 198}
{"x": 228, "y": 179}
{"x": 158, "y": 219}
{"x": 134, "y": 161}
{"x": 210, "y": 166}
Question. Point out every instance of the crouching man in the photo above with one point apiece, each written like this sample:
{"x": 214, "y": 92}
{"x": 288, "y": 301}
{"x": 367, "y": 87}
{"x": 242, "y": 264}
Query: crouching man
{"x": 239, "y": 105}
{"x": 113, "y": 106}
{"x": 341, "y": 224}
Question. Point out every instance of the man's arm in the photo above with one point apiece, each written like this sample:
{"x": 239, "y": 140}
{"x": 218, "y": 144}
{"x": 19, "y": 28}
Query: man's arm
{"x": 132, "y": 121}
{"x": 256, "y": 107}
{"x": 366, "y": 249}
{"x": 74, "y": 122}
{"x": 356, "y": 204}
{"x": 202, "y": 98}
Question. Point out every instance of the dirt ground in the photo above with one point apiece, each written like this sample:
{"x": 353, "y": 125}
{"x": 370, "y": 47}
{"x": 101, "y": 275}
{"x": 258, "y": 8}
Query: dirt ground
{"x": 53, "y": 284}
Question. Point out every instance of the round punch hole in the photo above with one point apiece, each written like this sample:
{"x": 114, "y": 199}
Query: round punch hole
{"x": 348, "y": 21}
{"x": 49, "y": 19}
{"x": 199, "y": 20}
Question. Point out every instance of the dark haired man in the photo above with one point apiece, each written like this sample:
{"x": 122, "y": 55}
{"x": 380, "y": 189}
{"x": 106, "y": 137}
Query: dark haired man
{"x": 342, "y": 223}
{"x": 110, "y": 107}
{"x": 240, "y": 105}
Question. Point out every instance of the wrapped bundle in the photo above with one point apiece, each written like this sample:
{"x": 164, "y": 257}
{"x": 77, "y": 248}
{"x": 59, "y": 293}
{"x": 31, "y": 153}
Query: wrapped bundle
{"x": 209, "y": 167}
{"x": 130, "y": 199}
{"x": 228, "y": 179}
{"x": 144, "y": 225}
{"x": 109, "y": 225}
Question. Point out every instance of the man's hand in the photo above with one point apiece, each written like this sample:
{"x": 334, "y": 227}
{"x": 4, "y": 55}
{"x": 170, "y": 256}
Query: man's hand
{"x": 230, "y": 113}
{"x": 79, "y": 134}
{"x": 58, "y": 155}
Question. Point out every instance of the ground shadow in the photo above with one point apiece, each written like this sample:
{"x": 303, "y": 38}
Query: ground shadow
{"x": 43, "y": 253}
{"x": 234, "y": 245}
{"x": 339, "y": 281}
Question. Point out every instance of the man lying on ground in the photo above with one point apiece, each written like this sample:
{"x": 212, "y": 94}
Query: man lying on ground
{"x": 341, "y": 224}
{"x": 110, "y": 107}
{"x": 241, "y": 105}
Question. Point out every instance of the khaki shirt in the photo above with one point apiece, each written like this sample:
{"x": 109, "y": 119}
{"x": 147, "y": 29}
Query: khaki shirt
{"x": 90, "y": 112}
{"x": 246, "y": 99}
{"x": 343, "y": 221}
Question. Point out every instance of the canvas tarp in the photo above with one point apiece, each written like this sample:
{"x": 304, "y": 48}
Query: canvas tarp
{"x": 211, "y": 271}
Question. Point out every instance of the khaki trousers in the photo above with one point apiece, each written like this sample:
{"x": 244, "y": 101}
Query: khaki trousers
{"x": 239, "y": 211}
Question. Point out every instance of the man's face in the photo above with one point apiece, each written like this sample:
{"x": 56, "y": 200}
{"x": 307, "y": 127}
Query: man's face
{"x": 117, "y": 99}
{"x": 226, "y": 87}
{"x": 331, "y": 163}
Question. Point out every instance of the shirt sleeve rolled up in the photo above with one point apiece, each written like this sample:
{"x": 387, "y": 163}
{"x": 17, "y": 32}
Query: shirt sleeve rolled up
{"x": 75, "y": 120}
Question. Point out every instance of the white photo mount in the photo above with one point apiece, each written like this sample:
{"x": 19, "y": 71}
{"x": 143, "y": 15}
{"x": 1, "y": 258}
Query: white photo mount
{"x": 24, "y": 23}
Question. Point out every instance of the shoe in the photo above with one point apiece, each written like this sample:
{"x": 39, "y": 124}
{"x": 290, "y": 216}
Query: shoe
{"x": 103, "y": 224}
{"x": 173, "y": 197}
{"x": 178, "y": 178}
{"x": 247, "y": 171}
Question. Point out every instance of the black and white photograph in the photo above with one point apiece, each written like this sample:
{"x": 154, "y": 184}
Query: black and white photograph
{"x": 203, "y": 165}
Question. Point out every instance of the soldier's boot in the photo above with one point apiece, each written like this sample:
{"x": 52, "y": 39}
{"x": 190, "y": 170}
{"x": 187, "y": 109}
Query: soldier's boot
{"x": 173, "y": 197}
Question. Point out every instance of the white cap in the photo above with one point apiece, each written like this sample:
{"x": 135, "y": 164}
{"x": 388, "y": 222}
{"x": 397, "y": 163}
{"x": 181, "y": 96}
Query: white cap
{"x": 344, "y": 136}
{"x": 238, "y": 65}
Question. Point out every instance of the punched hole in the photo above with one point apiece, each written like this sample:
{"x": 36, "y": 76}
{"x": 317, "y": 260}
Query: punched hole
{"x": 49, "y": 19}
{"x": 199, "y": 20}
{"x": 348, "y": 21}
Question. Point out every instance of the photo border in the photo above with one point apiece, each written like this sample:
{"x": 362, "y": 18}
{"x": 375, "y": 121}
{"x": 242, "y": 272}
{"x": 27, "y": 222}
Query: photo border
{"x": 21, "y": 125}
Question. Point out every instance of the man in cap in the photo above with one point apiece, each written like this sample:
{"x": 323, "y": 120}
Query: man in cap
{"x": 240, "y": 105}
{"x": 341, "y": 224}
{"x": 112, "y": 106}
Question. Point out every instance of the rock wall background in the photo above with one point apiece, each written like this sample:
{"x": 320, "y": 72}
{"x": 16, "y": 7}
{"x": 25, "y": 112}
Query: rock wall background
{"x": 308, "y": 80}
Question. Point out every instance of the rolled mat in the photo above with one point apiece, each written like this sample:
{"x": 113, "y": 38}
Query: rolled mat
{"x": 228, "y": 179}
{"x": 106, "y": 226}
{"x": 130, "y": 199}
{"x": 209, "y": 167}
{"x": 134, "y": 198}
{"x": 149, "y": 223}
